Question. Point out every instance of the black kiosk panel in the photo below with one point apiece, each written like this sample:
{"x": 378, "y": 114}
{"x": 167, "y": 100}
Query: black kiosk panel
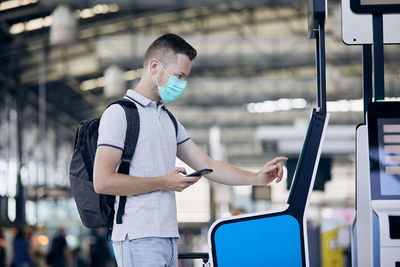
{"x": 316, "y": 16}
{"x": 384, "y": 149}
{"x": 394, "y": 227}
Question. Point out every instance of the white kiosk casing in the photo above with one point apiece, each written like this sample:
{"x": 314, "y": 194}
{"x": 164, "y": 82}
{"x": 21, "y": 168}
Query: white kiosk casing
{"x": 383, "y": 121}
{"x": 376, "y": 239}
{"x": 362, "y": 240}
{"x": 389, "y": 248}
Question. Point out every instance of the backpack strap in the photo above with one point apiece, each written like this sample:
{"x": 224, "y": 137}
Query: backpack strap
{"x": 131, "y": 138}
{"x": 173, "y": 121}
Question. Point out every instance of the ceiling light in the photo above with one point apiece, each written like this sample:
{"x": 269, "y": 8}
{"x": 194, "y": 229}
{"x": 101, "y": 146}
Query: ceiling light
{"x": 17, "y": 28}
{"x": 48, "y": 21}
{"x": 100, "y": 9}
{"x": 34, "y": 24}
{"x": 9, "y": 4}
{"x": 38, "y": 23}
{"x": 15, "y": 3}
{"x": 89, "y": 85}
{"x": 86, "y": 13}
{"x": 277, "y": 105}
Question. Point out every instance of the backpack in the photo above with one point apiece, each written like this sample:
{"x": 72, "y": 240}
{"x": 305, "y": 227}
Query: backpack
{"x": 97, "y": 210}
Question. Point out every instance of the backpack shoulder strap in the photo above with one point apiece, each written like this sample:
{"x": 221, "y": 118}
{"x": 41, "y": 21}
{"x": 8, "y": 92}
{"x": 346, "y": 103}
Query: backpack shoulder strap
{"x": 173, "y": 121}
{"x": 132, "y": 133}
{"x": 131, "y": 138}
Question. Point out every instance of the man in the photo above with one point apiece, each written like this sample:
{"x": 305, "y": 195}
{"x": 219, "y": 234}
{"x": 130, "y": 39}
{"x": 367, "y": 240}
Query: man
{"x": 149, "y": 231}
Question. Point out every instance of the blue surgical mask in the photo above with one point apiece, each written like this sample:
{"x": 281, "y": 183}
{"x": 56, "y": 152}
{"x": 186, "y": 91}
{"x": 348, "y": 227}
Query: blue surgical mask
{"x": 172, "y": 90}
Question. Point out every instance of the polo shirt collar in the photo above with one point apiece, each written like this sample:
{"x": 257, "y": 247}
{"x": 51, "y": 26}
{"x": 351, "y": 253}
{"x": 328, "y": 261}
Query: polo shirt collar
{"x": 140, "y": 99}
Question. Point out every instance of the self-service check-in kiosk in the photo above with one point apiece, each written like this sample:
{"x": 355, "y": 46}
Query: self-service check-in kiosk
{"x": 376, "y": 236}
{"x": 279, "y": 238}
{"x": 376, "y": 229}
{"x": 273, "y": 238}
{"x": 383, "y": 121}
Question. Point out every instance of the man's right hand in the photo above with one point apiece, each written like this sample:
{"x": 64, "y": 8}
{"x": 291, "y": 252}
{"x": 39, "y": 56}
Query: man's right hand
{"x": 175, "y": 181}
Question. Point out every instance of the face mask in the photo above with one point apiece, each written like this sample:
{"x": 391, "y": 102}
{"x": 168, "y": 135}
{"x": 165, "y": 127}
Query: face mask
{"x": 172, "y": 90}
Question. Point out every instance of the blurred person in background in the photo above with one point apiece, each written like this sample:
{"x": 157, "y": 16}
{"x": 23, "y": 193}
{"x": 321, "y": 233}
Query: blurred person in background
{"x": 59, "y": 254}
{"x": 77, "y": 259}
{"x": 148, "y": 234}
{"x": 22, "y": 250}
{"x": 99, "y": 251}
{"x": 2, "y": 249}
{"x": 32, "y": 249}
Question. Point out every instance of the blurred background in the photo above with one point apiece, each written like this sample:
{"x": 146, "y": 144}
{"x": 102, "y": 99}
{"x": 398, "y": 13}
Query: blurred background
{"x": 249, "y": 97}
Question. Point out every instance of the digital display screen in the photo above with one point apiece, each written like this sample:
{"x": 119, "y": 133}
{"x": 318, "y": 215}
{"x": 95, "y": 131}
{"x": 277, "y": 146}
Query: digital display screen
{"x": 389, "y": 156}
{"x": 375, "y": 6}
{"x": 379, "y": 2}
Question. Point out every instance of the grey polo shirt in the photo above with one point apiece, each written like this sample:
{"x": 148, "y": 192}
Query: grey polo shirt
{"x": 151, "y": 214}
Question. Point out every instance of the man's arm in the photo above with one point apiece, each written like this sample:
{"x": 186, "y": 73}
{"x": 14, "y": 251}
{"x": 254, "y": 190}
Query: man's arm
{"x": 227, "y": 174}
{"x": 108, "y": 181}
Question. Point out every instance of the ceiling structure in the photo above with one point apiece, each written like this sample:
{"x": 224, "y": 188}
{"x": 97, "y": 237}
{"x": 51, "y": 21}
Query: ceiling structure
{"x": 255, "y": 65}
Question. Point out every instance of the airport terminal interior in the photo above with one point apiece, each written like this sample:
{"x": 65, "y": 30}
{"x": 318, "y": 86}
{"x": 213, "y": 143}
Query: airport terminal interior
{"x": 250, "y": 95}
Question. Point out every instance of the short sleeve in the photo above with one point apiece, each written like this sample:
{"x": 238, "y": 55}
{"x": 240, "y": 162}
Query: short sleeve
{"x": 182, "y": 134}
{"x": 112, "y": 128}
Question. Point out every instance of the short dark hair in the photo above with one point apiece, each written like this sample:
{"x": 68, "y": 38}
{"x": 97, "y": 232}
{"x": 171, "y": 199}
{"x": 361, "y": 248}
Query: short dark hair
{"x": 165, "y": 44}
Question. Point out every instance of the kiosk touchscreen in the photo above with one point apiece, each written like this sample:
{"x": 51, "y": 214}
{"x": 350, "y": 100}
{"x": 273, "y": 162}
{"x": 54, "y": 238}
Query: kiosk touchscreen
{"x": 383, "y": 121}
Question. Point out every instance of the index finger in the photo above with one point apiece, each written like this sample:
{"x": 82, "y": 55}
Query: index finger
{"x": 277, "y": 160}
{"x": 180, "y": 169}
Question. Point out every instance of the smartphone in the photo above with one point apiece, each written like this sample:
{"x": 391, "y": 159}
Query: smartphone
{"x": 201, "y": 172}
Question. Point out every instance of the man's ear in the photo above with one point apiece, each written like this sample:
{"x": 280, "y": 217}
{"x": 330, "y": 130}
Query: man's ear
{"x": 153, "y": 65}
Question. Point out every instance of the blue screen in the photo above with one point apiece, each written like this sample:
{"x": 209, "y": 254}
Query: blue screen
{"x": 272, "y": 241}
